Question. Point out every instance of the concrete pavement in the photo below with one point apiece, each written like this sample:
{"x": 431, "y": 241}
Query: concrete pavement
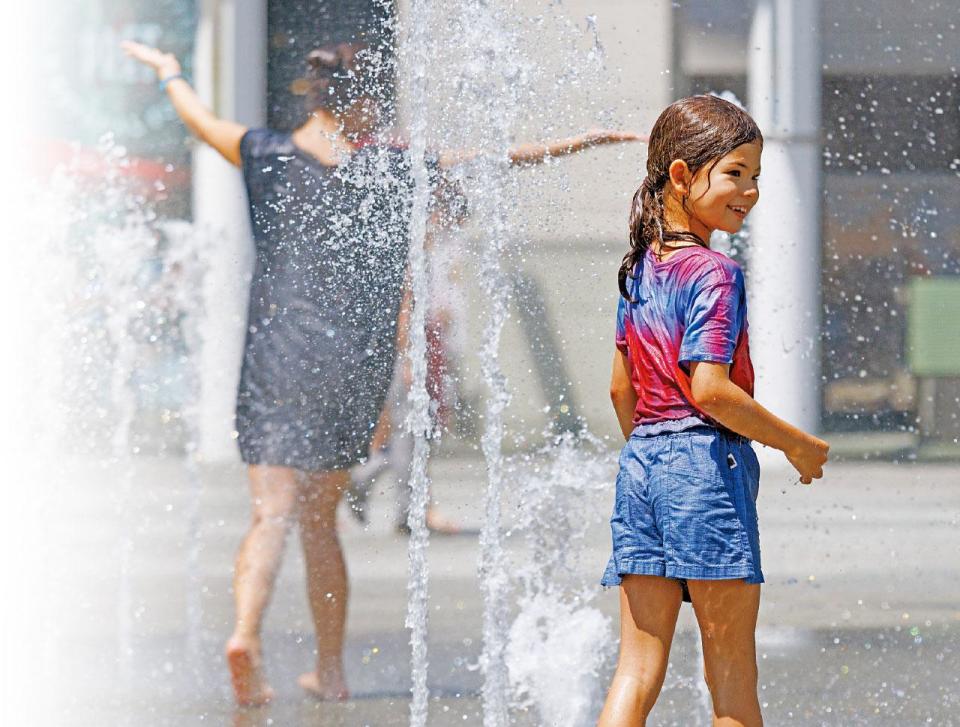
{"x": 860, "y": 622}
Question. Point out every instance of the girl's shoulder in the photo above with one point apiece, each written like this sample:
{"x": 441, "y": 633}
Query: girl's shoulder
{"x": 703, "y": 267}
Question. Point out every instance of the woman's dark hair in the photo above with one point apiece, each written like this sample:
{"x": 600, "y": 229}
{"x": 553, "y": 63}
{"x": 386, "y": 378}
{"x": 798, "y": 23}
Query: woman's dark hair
{"x": 339, "y": 74}
{"x": 698, "y": 130}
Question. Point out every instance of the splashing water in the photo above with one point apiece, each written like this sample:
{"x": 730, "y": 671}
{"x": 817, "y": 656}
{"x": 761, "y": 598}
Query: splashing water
{"x": 492, "y": 93}
{"x": 491, "y": 78}
{"x": 597, "y": 53}
{"x": 184, "y": 268}
{"x": 558, "y": 642}
{"x": 418, "y": 420}
{"x": 129, "y": 291}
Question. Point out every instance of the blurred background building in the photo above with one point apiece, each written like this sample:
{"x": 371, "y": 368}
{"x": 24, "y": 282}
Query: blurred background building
{"x": 884, "y": 204}
{"x": 890, "y": 136}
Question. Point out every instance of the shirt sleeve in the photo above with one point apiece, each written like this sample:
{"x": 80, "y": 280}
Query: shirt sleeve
{"x": 621, "y": 337}
{"x": 252, "y": 143}
{"x": 714, "y": 318}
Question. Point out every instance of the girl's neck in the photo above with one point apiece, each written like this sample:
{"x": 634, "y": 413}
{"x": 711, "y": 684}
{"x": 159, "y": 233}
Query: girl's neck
{"x": 678, "y": 219}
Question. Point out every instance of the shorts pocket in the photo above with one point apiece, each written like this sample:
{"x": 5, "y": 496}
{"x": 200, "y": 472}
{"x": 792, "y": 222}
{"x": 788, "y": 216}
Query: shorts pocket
{"x": 752, "y": 470}
{"x": 704, "y": 520}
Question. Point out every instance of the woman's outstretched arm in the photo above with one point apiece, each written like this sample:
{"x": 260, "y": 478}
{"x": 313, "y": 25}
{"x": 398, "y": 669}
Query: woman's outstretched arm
{"x": 523, "y": 155}
{"x": 538, "y": 152}
{"x": 222, "y": 135}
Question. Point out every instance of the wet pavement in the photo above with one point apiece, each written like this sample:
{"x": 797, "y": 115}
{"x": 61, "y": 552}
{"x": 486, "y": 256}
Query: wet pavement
{"x": 860, "y": 623}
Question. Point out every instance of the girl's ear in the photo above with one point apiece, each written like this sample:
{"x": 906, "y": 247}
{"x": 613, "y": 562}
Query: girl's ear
{"x": 680, "y": 177}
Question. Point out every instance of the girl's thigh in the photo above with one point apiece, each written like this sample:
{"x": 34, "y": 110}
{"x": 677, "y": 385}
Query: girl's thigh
{"x": 648, "y": 616}
{"x": 726, "y": 612}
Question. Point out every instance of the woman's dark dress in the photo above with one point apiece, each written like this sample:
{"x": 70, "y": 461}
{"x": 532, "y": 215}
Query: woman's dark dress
{"x": 331, "y": 250}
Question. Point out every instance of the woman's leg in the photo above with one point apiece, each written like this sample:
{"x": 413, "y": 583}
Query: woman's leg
{"x": 273, "y": 491}
{"x": 727, "y": 613}
{"x": 326, "y": 581}
{"x": 648, "y": 616}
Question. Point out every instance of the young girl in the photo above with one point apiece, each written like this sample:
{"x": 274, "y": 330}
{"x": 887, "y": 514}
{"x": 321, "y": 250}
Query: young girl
{"x": 685, "y": 521}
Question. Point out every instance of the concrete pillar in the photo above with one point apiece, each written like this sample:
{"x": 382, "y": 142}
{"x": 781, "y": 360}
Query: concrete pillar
{"x": 230, "y": 67}
{"x": 784, "y": 305}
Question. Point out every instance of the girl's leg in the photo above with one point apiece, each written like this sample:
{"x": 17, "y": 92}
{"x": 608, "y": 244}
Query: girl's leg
{"x": 326, "y": 581}
{"x": 648, "y": 616}
{"x": 273, "y": 491}
{"x": 727, "y": 613}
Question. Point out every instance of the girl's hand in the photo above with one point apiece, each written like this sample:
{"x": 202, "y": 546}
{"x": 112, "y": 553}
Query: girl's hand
{"x": 808, "y": 458}
{"x": 165, "y": 64}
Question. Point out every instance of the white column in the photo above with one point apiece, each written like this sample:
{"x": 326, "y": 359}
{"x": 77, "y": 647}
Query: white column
{"x": 230, "y": 66}
{"x": 784, "y": 304}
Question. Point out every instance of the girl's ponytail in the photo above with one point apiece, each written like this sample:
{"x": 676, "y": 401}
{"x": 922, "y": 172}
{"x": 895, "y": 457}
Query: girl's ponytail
{"x": 646, "y": 227}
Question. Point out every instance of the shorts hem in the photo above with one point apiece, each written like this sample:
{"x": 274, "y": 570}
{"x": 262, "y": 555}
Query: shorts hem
{"x": 679, "y": 572}
{"x": 632, "y": 568}
{"x": 301, "y": 466}
{"x": 718, "y": 573}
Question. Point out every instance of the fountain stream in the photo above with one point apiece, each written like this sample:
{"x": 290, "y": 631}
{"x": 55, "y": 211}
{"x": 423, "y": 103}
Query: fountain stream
{"x": 418, "y": 421}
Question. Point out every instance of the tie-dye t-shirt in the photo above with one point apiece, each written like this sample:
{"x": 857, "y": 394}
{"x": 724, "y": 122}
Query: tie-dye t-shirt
{"x": 689, "y": 307}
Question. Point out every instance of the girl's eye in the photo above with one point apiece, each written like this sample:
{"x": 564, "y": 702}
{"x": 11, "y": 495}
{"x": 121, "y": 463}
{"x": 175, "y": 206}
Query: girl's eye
{"x": 734, "y": 172}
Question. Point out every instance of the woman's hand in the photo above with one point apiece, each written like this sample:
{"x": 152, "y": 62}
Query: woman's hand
{"x": 597, "y": 137}
{"x": 808, "y": 458}
{"x": 221, "y": 134}
{"x": 165, "y": 64}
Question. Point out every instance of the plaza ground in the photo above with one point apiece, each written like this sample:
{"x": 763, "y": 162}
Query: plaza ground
{"x": 860, "y": 622}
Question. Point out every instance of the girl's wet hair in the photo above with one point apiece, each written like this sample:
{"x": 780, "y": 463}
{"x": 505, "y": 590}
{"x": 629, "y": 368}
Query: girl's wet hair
{"x": 341, "y": 73}
{"x": 699, "y": 130}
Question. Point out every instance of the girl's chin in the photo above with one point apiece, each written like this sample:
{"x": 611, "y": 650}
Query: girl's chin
{"x": 731, "y": 228}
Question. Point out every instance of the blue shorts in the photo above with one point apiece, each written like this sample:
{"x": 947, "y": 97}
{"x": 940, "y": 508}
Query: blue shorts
{"x": 686, "y": 508}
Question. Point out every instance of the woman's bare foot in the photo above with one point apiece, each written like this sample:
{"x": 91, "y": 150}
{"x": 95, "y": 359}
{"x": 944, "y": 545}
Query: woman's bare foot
{"x": 441, "y": 525}
{"x": 243, "y": 658}
{"x": 333, "y": 688}
{"x": 436, "y": 524}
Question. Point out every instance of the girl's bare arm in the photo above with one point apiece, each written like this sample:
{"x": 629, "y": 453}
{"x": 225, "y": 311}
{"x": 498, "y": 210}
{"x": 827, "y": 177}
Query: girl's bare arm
{"x": 622, "y": 393}
{"x": 730, "y": 405}
{"x": 222, "y": 135}
{"x": 532, "y": 153}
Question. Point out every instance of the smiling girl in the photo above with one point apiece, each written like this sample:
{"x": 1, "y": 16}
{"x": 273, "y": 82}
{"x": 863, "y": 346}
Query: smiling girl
{"x": 684, "y": 522}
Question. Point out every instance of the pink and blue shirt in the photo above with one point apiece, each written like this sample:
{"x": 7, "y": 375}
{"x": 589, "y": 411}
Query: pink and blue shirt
{"x": 690, "y": 307}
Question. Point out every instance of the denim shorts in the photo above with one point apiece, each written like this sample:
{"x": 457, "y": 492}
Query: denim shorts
{"x": 686, "y": 508}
